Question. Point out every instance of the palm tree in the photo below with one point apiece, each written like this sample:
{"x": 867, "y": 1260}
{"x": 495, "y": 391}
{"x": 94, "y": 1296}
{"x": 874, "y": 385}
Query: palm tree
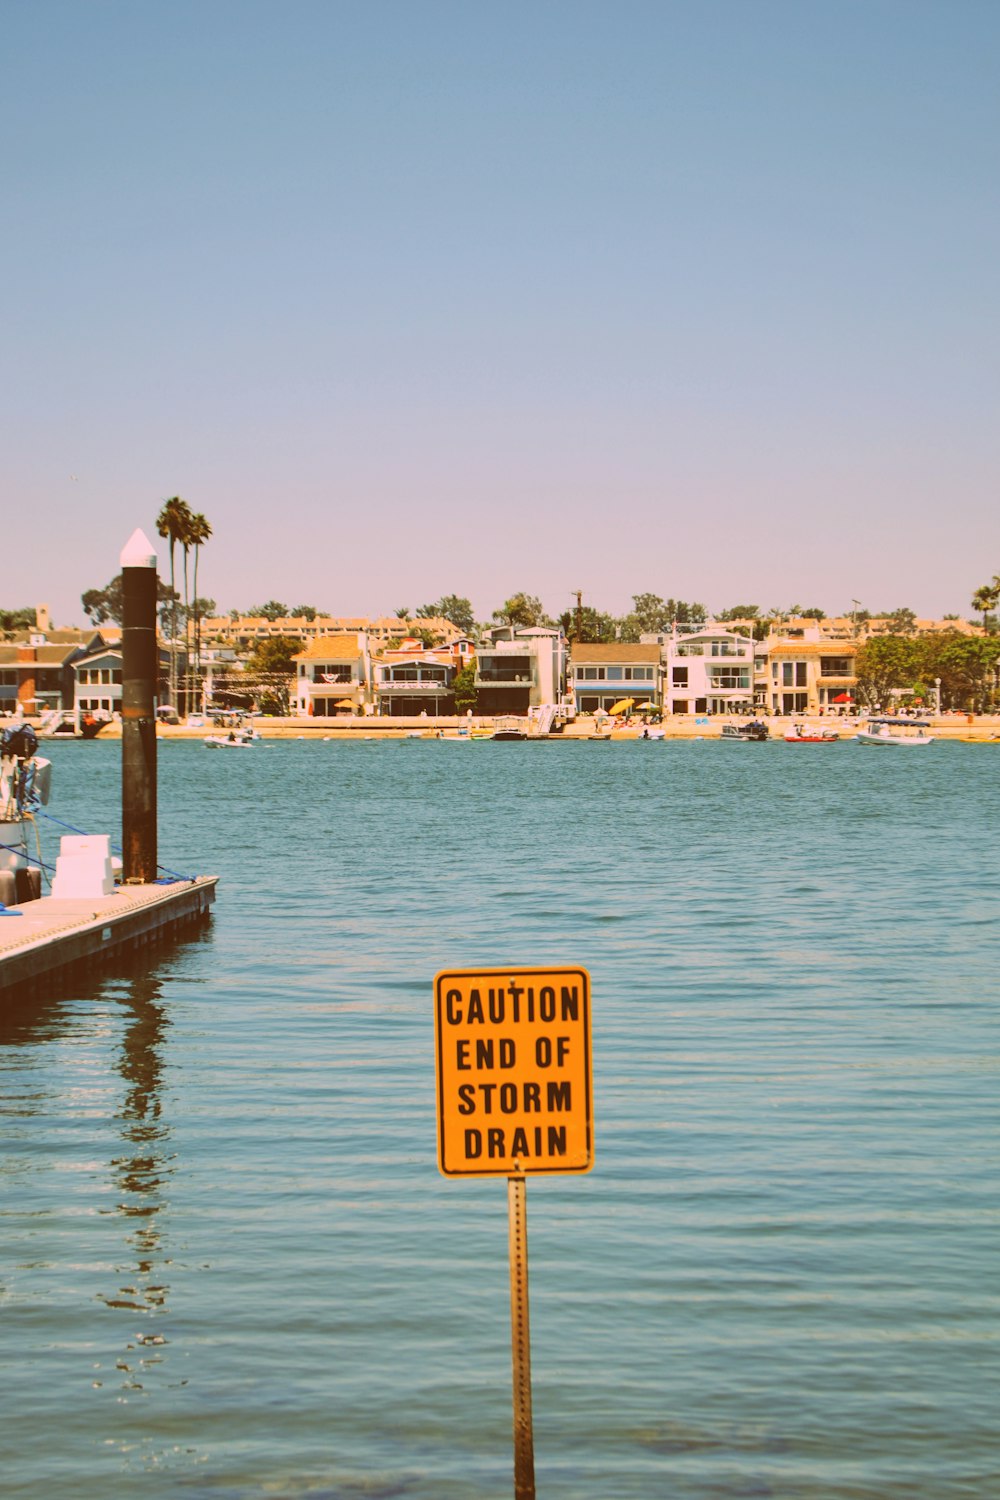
{"x": 199, "y": 532}
{"x": 986, "y": 599}
{"x": 171, "y": 523}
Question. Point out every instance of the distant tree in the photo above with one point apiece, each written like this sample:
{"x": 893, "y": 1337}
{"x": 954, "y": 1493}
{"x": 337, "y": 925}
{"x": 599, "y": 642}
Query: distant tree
{"x": 451, "y": 607}
{"x": 900, "y": 621}
{"x": 101, "y": 605}
{"x": 986, "y": 599}
{"x": 274, "y": 654}
{"x": 197, "y": 534}
{"x": 272, "y": 610}
{"x": 951, "y": 617}
{"x": 687, "y": 614}
{"x": 885, "y": 663}
{"x": 302, "y": 612}
{"x": 739, "y": 612}
{"x": 652, "y": 614}
{"x": 522, "y": 610}
{"x": 17, "y": 619}
{"x": 812, "y": 613}
{"x": 270, "y": 672}
{"x": 172, "y": 523}
{"x": 202, "y": 609}
{"x": 593, "y": 625}
{"x": 967, "y": 667}
{"x": 464, "y": 688}
{"x": 403, "y": 612}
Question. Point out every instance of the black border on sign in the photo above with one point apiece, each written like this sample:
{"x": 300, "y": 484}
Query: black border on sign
{"x": 514, "y": 972}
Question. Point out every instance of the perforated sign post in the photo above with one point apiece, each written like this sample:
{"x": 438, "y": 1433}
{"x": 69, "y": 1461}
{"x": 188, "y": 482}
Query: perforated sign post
{"x": 515, "y": 1099}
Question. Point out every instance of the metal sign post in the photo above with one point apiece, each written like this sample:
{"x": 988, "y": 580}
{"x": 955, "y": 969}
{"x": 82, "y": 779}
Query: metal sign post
{"x": 515, "y": 1099}
{"x": 520, "y": 1339}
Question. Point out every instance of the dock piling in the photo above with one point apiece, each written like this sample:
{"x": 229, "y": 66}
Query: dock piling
{"x": 138, "y": 562}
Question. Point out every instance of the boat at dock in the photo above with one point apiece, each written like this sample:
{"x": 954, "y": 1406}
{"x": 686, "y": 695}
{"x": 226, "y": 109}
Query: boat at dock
{"x": 894, "y": 732}
{"x": 509, "y": 728}
{"x": 753, "y": 731}
{"x": 25, "y": 781}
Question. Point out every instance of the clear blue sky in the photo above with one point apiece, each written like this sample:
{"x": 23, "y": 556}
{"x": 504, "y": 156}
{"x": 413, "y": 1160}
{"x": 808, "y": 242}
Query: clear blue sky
{"x": 414, "y": 297}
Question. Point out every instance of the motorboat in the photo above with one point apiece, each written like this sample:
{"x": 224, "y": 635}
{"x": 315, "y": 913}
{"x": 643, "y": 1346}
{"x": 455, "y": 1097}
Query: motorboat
{"x": 810, "y": 734}
{"x": 753, "y": 731}
{"x": 894, "y": 731}
{"x": 235, "y": 739}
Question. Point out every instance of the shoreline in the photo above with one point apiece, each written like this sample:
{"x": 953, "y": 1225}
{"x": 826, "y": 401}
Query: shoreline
{"x": 984, "y": 728}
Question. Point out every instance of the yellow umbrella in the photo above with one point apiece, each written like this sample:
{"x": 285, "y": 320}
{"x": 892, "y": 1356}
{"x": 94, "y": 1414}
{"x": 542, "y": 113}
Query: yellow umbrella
{"x": 344, "y": 703}
{"x": 622, "y": 706}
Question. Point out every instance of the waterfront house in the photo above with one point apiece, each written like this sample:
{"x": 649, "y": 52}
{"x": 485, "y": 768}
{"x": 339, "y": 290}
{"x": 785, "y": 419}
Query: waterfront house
{"x": 810, "y": 668}
{"x": 333, "y": 675}
{"x": 604, "y": 674}
{"x": 709, "y": 669}
{"x": 520, "y": 668}
{"x": 36, "y": 670}
{"x": 98, "y": 686}
{"x": 410, "y": 680}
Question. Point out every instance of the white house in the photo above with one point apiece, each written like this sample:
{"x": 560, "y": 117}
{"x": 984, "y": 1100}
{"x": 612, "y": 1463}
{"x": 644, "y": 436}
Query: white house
{"x": 708, "y": 668}
{"x": 332, "y": 675}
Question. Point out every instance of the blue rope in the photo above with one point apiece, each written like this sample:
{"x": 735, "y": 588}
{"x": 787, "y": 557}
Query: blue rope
{"x": 23, "y": 854}
{"x": 173, "y": 875}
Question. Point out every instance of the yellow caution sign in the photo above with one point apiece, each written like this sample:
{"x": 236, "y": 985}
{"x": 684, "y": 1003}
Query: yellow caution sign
{"x": 514, "y": 1085}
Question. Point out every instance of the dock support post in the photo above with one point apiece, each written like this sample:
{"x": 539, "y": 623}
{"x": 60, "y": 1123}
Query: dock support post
{"x": 524, "y": 1437}
{"x": 139, "y": 662}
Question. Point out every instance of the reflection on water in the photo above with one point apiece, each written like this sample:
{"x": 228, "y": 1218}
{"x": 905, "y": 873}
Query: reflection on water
{"x": 143, "y": 1170}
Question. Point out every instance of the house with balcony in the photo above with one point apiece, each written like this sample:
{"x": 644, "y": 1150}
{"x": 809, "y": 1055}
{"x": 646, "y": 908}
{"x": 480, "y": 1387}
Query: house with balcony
{"x": 332, "y": 676}
{"x": 409, "y": 680}
{"x": 519, "y": 669}
{"x": 708, "y": 669}
{"x": 810, "y": 676}
{"x": 603, "y": 674}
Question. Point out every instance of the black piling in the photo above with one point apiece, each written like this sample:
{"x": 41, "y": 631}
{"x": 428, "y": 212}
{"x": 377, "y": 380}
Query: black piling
{"x": 139, "y": 662}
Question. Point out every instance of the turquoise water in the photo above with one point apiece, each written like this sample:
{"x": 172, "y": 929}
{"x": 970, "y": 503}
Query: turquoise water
{"x": 230, "y": 1267}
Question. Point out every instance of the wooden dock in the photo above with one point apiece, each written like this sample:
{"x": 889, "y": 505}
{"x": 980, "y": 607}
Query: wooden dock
{"x": 52, "y": 937}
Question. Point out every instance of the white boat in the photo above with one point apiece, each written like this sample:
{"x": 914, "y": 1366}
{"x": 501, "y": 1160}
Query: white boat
{"x": 894, "y": 731}
{"x": 25, "y": 779}
{"x": 236, "y": 739}
{"x": 810, "y": 734}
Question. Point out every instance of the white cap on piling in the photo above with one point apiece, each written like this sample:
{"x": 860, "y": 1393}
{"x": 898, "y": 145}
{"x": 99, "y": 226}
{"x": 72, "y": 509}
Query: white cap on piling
{"x": 138, "y": 551}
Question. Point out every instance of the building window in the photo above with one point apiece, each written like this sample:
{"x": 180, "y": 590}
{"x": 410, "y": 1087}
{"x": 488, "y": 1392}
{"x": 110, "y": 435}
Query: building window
{"x": 730, "y": 677}
{"x": 680, "y": 705}
{"x": 615, "y": 674}
{"x": 835, "y": 666}
{"x": 793, "y": 673}
{"x": 679, "y": 676}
